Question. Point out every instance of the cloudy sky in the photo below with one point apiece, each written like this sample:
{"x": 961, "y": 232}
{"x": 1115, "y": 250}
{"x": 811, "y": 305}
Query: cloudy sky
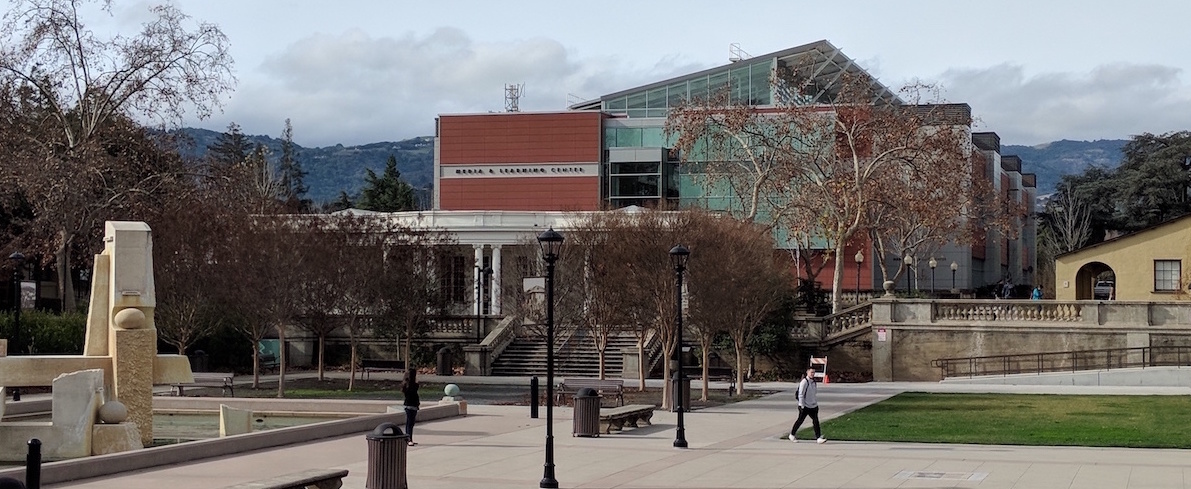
{"x": 360, "y": 71}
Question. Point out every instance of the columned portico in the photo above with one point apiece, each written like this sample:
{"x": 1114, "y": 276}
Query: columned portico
{"x": 494, "y": 285}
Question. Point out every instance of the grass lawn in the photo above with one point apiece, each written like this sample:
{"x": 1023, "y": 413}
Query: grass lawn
{"x": 1019, "y": 419}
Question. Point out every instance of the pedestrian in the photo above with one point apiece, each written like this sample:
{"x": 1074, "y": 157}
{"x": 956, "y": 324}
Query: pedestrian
{"x": 1007, "y": 289}
{"x": 808, "y": 405}
{"x": 10, "y": 483}
{"x": 1036, "y": 295}
{"x": 409, "y": 388}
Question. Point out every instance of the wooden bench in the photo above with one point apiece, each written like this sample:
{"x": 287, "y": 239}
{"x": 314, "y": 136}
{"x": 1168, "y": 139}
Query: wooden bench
{"x": 307, "y": 479}
{"x": 607, "y": 387}
{"x": 369, "y": 365}
{"x": 222, "y": 380}
{"x": 633, "y": 415}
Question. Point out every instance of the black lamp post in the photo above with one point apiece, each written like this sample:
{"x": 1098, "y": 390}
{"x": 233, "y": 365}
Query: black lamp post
{"x": 909, "y": 261}
{"x": 482, "y": 275}
{"x": 932, "y": 263}
{"x": 678, "y": 256}
{"x": 954, "y": 267}
{"x": 551, "y": 243}
{"x": 859, "y": 259}
{"x": 18, "y": 260}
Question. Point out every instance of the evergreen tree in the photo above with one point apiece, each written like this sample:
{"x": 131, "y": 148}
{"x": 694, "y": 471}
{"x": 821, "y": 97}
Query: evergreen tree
{"x": 292, "y": 174}
{"x": 231, "y": 148}
{"x": 343, "y": 202}
{"x": 387, "y": 193}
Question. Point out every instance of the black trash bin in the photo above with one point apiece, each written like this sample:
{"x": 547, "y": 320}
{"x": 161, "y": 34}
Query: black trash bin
{"x": 587, "y": 413}
{"x": 198, "y": 361}
{"x": 445, "y": 363}
{"x": 685, "y": 394}
{"x": 386, "y": 458}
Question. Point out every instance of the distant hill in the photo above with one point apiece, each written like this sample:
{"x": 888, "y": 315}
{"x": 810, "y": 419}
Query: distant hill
{"x": 332, "y": 169}
{"x": 335, "y": 168}
{"x": 1050, "y": 161}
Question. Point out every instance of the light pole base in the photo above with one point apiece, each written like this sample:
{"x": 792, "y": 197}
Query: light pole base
{"x": 548, "y": 484}
{"x": 679, "y": 443}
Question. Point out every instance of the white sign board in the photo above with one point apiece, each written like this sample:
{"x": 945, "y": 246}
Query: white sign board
{"x": 882, "y": 335}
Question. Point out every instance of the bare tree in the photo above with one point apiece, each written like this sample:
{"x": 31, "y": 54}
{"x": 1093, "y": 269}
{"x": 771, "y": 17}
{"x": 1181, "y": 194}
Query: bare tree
{"x": 1070, "y": 221}
{"x": 74, "y": 86}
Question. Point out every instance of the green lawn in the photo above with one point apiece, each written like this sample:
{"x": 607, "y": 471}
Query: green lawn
{"x": 1017, "y": 419}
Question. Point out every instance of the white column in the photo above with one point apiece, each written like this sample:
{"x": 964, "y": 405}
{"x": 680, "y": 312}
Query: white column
{"x": 495, "y": 284}
{"x": 476, "y": 276}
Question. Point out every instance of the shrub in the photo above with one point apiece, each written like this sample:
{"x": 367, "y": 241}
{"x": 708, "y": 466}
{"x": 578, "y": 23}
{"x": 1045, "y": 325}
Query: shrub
{"x": 44, "y": 333}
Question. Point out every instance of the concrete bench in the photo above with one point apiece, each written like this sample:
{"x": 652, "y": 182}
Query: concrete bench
{"x": 307, "y": 479}
{"x": 222, "y": 380}
{"x": 613, "y": 388}
{"x": 633, "y": 415}
{"x": 369, "y": 365}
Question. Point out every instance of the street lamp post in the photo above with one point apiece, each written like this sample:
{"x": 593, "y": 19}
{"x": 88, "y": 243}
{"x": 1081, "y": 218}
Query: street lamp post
{"x": 482, "y": 277}
{"x": 954, "y": 267}
{"x": 678, "y": 256}
{"x": 551, "y": 243}
{"x": 932, "y": 263}
{"x": 909, "y": 261}
{"x": 18, "y": 260}
{"x": 859, "y": 259}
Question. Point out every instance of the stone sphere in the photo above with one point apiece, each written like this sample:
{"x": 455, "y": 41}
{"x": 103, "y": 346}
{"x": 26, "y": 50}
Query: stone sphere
{"x": 113, "y": 412}
{"x": 130, "y": 318}
{"x": 451, "y": 390}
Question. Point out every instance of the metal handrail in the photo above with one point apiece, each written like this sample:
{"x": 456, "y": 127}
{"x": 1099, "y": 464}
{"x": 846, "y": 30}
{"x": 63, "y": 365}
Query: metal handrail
{"x": 1065, "y": 361}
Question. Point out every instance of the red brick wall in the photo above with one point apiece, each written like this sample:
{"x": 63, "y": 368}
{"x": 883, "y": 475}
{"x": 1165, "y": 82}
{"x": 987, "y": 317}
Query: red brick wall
{"x": 520, "y": 139}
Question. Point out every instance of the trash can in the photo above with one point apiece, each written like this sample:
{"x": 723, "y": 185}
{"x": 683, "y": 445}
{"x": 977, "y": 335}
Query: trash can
{"x": 198, "y": 361}
{"x": 587, "y": 413}
{"x": 686, "y": 394}
{"x": 386, "y": 458}
{"x": 445, "y": 365}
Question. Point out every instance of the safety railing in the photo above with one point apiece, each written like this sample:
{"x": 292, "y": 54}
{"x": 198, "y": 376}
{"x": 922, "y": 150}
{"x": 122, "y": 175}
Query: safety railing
{"x": 1065, "y": 361}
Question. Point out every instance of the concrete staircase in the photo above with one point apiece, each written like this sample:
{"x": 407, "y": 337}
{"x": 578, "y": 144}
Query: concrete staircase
{"x": 526, "y": 356}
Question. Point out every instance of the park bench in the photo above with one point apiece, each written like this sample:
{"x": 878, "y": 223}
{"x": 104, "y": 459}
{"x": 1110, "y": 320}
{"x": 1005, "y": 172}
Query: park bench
{"x": 369, "y": 365}
{"x": 633, "y": 415}
{"x": 222, "y": 380}
{"x": 307, "y": 479}
{"x": 613, "y": 388}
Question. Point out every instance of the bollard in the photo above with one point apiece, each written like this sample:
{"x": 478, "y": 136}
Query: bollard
{"x": 33, "y": 465}
{"x": 386, "y": 458}
{"x": 533, "y": 397}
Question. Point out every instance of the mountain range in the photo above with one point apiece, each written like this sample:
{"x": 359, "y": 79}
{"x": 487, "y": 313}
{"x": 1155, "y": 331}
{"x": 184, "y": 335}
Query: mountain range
{"x": 332, "y": 169}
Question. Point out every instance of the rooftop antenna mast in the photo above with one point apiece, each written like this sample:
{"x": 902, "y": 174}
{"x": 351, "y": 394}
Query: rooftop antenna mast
{"x": 513, "y": 94}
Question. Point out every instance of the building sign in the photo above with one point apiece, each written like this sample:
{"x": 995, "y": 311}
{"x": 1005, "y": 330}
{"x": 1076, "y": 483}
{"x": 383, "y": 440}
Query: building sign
{"x": 881, "y": 335}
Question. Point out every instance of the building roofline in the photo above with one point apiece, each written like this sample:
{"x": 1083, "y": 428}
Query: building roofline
{"x": 1165, "y": 223}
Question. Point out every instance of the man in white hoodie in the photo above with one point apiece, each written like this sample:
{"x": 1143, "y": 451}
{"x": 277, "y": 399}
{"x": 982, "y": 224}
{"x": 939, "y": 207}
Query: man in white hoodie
{"x": 808, "y": 405}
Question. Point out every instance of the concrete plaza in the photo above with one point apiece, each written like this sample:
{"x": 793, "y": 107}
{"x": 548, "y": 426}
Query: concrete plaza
{"x": 736, "y": 445}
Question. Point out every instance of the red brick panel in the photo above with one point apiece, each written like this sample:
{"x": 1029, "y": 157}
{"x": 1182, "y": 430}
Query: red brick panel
{"x": 520, "y": 138}
{"x": 520, "y": 194}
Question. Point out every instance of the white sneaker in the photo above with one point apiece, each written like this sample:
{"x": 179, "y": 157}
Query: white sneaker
{"x": 821, "y": 440}
{"x": 791, "y": 437}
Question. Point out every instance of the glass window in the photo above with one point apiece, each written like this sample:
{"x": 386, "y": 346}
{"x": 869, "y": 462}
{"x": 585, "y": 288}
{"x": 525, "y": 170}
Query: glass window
{"x": 717, "y": 83}
{"x": 628, "y": 137}
{"x": 638, "y": 113}
{"x": 616, "y": 105}
{"x": 634, "y": 168}
{"x": 740, "y": 85}
{"x": 637, "y": 101}
{"x": 1167, "y": 274}
{"x": 657, "y": 98}
{"x": 698, "y": 89}
{"x": 657, "y": 112}
{"x": 675, "y": 94}
{"x": 635, "y": 186}
{"x": 651, "y": 137}
{"x": 759, "y": 84}
{"x": 609, "y": 137}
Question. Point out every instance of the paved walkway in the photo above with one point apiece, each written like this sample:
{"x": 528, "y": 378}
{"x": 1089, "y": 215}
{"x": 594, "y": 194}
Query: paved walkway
{"x": 733, "y": 446}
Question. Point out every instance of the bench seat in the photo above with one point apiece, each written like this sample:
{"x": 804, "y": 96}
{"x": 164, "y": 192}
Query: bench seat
{"x": 611, "y": 388}
{"x": 369, "y": 365}
{"x": 222, "y": 380}
{"x": 633, "y": 415}
{"x": 313, "y": 478}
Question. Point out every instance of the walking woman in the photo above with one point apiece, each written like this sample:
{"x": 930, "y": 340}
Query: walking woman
{"x": 808, "y": 405}
{"x": 409, "y": 388}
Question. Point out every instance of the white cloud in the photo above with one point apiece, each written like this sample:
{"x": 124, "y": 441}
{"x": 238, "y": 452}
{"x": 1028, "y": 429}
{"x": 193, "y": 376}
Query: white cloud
{"x": 1111, "y": 101}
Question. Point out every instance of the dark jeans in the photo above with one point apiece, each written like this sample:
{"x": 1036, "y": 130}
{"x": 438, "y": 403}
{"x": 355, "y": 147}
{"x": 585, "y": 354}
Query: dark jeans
{"x": 802, "y": 414}
{"x": 411, "y": 415}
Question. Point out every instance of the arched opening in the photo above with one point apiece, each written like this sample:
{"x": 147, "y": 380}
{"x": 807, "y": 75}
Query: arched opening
{"x": 1088, "y": 275}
